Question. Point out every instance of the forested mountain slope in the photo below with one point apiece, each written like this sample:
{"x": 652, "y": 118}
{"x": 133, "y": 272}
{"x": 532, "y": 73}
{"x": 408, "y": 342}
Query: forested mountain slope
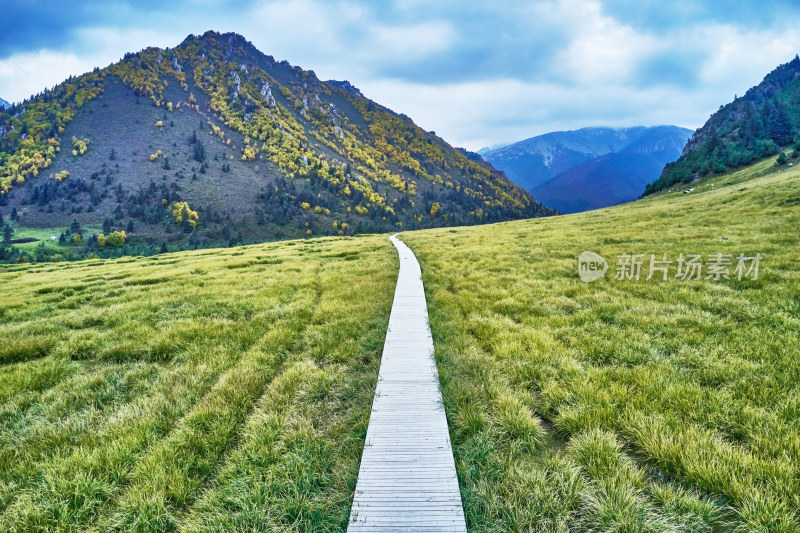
{"x": 756, "y": 125}
{"x": 214, "y": 142}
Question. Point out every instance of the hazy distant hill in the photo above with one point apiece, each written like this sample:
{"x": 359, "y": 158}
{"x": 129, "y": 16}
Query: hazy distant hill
{"x": 4, "y": 104}
{"x": 592, "y": 167}
{"x": 246, "y": 148}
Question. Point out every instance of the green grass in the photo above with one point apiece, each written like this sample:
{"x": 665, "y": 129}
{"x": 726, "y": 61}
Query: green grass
{"x": 43, "y": 235}
{"x": 202, "y": 391}
{"x": 230, "y": 389}
{"x": 624, "y": 405}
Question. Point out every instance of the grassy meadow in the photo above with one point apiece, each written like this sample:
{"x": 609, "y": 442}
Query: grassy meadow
{"x": 624, "y": 405}
{"x": 201, "y": 391}
{"x": 230, "y": 389}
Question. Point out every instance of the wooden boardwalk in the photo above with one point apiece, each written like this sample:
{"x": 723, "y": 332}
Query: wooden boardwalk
{"x": 407, "y": 480}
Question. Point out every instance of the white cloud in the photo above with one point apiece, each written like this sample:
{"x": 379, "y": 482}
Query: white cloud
{"x": 22, "y": 75}
{"x": 600, "y": 49}
{"x": 477, "y": 114}
{"x": 340, "y": 39}
{"x": 742, "y": 58}
{"x": 592, "y": 74}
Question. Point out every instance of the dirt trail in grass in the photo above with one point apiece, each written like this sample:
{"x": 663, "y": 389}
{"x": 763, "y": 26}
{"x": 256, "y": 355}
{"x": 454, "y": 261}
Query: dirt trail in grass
{"x": 407, "y": 478}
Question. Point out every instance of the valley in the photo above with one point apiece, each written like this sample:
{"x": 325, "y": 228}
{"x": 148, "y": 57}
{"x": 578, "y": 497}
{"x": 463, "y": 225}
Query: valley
{"x": 235, "y": 296}
{"x": 656, "y": 405}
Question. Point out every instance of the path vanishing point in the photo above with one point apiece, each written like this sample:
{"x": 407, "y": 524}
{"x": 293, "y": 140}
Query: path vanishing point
{"x": 407, "y": 480}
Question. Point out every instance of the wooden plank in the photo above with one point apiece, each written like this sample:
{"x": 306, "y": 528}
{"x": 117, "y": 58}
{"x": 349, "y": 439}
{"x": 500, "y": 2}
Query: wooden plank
{"x": 407, "y": 478}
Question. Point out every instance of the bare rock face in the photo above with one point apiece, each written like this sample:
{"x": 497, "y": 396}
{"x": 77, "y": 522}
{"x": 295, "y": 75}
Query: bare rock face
{"x": 266, "y": 92}
{"x": 347, "y": 86}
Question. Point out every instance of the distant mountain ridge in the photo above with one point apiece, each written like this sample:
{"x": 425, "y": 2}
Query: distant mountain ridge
{"x": 533, "y": 161}
{"x": 4, "y": 104}
{"x": 756, "y": 125}
{"x": 589, "y": 168}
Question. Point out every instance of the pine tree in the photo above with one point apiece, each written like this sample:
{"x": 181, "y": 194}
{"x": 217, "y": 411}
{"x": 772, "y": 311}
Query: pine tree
{"x": 778, "y": 126}
{"x": 199, "y": 151}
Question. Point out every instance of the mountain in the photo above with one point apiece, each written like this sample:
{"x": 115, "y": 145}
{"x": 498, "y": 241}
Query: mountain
{"x": 487, "y": 149}
{"x": 589, "y": 168}
{"x": 756, "y": 125}
{"x": 4, "y": 104}
{"x": 531, "y": 162}
{"x": 214, "y": 142}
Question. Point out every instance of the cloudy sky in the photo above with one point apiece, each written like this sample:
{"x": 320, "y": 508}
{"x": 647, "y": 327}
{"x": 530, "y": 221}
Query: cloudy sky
{"x": 477, "y": 73}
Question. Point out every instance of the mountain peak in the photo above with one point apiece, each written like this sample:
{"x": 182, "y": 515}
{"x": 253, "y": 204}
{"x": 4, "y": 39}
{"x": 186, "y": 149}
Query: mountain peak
{"x": 4, "y": 104}
{"x": 347, "y": 86}
{"x": 234, "y": 146}
{"x": 214, "y": 37}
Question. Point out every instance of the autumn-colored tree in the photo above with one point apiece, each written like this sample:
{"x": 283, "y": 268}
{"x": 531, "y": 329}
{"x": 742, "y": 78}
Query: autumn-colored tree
{"x": 101, "y": 241}
{"x": 116, "y": 239}
{"x": 249, "y": 153}
{"x": 435, "y": 208}
{"x": 79, "y": 146}
{"x": 181, "y": 211}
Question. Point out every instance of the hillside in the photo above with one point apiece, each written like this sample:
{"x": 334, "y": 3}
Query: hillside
{"x": 615, "y": 177}
{"x": 4, "y": 104}
{"x": 756, "y": 125}
{"x": 625, "y": 405}
{"x": 575, "y": 170}
{"x": 229, "y": 389}
{"x": 214, "y": 142}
